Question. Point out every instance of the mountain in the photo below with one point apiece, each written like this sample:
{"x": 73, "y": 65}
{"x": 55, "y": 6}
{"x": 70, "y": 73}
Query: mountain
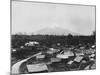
{"x": 55, "y": 31}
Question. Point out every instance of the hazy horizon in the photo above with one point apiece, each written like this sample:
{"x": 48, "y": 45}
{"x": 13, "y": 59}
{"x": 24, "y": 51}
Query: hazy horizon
{"x": 29, "y": 17}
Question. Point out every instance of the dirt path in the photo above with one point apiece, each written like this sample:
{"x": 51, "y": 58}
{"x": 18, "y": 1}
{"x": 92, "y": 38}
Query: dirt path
{"x": 16, "y": 67}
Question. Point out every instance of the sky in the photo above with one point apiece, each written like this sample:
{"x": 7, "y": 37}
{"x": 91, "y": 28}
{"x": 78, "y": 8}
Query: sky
{"x": 29, "y": 17}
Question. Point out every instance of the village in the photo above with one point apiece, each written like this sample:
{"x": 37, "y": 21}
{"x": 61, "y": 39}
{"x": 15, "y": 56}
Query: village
{"x": 52, "y": 37}
{"x": 53, "y": 59}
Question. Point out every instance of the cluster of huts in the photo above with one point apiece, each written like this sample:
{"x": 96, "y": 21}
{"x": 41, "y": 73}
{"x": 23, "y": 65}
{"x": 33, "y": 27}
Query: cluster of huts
{"x": 55, "y": 59}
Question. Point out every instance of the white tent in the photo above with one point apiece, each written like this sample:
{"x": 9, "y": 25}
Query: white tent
{"x": 69, "y": 53}
{"x": 79, "y": 54}
{"x": 70, "y": 62}
{"x": 62, "y": 56}
{"x": 31, "y": 43}
{"x": 37, "y": 67}
{"x": 40, "y": 56}
{"x": 78, "y": 58}
{"x": 55, "y": 59}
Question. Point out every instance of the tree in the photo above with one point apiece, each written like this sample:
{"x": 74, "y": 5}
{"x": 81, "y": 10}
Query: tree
{"x": 94, "y": 33}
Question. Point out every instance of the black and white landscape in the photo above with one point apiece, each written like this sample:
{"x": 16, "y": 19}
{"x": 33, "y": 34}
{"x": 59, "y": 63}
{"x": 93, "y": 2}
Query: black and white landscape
{"x": 51, "y": 37}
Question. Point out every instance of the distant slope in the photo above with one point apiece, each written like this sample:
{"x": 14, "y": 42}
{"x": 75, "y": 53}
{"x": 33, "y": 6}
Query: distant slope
{"x": 55, "y": 31}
